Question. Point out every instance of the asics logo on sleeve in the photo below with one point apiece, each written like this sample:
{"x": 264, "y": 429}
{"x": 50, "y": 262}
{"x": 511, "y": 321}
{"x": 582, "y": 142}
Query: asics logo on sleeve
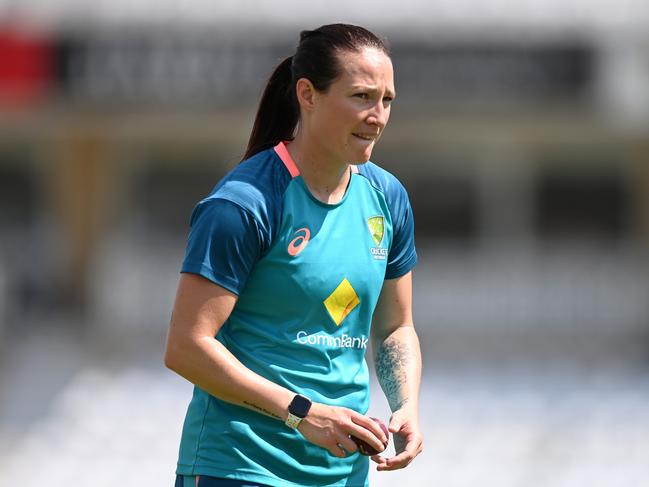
{"x": 299, "y": 242}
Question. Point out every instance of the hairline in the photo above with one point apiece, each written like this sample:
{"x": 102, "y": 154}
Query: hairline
{"x": 338, "y": 50}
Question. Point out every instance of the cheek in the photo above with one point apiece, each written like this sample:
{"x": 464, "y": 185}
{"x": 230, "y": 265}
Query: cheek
{"x": 338, "y": 121}
{"x": 343, "y": 115}
{"x": 330, "y": 120}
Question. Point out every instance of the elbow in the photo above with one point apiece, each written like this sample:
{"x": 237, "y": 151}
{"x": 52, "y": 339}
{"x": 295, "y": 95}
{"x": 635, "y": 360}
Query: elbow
{"x": 180, "y": 354}
{"x": 169, "y": 361}
{"x": 171, "y": 356}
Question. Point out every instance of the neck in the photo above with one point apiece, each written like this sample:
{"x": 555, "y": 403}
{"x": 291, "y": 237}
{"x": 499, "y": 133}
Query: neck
{"x": 326, "y": 179}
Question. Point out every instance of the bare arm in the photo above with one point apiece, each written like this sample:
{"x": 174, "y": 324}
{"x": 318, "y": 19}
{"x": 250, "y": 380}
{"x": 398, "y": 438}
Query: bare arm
{"x": 200, "y": 309}
{"x": 397, "y": 359}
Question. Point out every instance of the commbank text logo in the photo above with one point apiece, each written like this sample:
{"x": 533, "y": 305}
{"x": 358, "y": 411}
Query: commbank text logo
{"x": 322, "y": 340}
{"x": 299, "y": 242}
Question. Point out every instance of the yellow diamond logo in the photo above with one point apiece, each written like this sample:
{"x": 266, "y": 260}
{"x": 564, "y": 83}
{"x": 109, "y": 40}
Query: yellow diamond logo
{"x": 341, "y": 302}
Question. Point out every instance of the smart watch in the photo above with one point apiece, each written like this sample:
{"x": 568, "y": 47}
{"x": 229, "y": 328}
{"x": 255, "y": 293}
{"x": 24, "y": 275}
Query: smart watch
{"x": 297, "y": 411}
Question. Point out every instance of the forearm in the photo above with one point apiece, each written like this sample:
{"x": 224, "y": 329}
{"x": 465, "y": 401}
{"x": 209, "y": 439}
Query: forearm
{"x": 207, "y": 363}
{"x": 397, "y": 360}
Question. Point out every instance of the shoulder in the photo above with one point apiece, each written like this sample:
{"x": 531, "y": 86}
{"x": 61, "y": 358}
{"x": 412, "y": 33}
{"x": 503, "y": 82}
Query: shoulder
{"x": 383, "y": 181}
{"x": 402, "y": 255}
{"x": 256, "y": 185}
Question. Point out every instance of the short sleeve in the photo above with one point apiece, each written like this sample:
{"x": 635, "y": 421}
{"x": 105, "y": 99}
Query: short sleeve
{"x": 402, "y": 256}
{"x": 224, "y": 243}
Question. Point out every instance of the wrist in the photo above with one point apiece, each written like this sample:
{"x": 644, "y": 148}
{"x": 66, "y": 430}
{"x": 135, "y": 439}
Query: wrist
{"x": 407, "y": 405}
{"x": 297, "y": 410}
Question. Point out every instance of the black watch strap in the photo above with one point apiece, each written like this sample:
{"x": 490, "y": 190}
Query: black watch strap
{"x": 297, "y": 410}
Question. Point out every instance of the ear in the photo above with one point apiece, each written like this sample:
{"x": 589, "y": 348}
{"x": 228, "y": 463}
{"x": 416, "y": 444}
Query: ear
{"x": 306, "y": 93}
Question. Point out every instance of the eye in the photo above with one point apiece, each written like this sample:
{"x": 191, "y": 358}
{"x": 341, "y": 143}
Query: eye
{"x": 362, "y": 96}
{"x": 388, "y": 99}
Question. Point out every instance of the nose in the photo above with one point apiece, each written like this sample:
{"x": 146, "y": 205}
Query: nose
{"x": 379, "y": 114}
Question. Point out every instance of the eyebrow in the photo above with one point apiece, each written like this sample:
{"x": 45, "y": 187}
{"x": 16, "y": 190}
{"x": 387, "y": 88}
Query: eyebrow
{"x": 374, "y": 89}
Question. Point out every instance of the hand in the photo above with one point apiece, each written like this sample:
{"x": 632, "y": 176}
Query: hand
{"x": 331, "y": 426}
{"x": 408, "y": 442}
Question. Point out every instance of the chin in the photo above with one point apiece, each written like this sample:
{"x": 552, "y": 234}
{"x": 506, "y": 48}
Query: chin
{"x": 361, "y": 158}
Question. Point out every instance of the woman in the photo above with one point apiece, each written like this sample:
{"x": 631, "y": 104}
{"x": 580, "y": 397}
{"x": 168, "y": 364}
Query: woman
{"x": 289, "y": 260}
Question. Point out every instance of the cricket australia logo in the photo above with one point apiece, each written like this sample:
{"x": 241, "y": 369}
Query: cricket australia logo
{"x": 376, "y": 226}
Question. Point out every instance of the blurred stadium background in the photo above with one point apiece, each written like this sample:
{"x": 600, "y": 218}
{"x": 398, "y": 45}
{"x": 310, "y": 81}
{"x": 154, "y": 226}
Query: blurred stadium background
{"x": 521, "y": 131}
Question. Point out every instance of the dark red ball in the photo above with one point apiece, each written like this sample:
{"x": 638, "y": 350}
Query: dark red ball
{"x": 366, "y": 449}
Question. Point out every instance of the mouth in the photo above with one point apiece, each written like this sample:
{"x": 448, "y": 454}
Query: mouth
{"x": 366, "y": 137}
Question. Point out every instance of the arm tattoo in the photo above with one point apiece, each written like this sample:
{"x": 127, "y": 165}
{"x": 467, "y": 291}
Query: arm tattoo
{"x": 261, "y": 410}
{"x": 392, "y": 361}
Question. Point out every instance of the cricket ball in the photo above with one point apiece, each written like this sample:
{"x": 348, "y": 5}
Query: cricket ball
{"x": 365, "y": 448}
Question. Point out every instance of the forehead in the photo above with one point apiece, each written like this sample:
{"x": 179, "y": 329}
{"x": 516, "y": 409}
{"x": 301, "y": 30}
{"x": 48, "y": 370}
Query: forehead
{"x": 367, "y": 67}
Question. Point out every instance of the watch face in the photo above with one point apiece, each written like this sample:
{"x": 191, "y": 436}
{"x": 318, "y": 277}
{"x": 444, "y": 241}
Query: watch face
{"x": 300, "y": 406}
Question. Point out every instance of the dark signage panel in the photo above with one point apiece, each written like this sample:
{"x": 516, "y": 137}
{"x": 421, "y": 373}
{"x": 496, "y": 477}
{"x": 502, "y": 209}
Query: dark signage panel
{"x": 206, "y": 71}
{"x": 159, "y": 71}
{"x": 492, "y": 71}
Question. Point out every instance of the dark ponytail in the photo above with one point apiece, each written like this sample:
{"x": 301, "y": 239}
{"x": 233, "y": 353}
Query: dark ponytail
{"x": 277, "y": 114}
{"x": 316, "y": 58}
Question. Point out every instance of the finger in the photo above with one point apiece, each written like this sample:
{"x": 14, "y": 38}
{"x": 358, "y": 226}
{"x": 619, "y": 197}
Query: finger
{"x": 378, "y": 459}
{"x": 368, "y": 437}
{"x": 373, "y": 426}
{"x": 337, "y": 451}
{"x": 396, "y": 422}
{"x": 368, "y": 423}
{"x": 401, "y": 460}
{"x": 347, "y": 443}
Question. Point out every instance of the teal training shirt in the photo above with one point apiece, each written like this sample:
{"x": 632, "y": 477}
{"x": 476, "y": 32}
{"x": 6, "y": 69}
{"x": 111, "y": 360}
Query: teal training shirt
{"x": 308, "y": 276}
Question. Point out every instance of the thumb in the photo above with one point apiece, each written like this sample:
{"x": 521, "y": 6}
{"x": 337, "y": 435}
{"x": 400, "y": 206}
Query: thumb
{"x": 396, "y": 422}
